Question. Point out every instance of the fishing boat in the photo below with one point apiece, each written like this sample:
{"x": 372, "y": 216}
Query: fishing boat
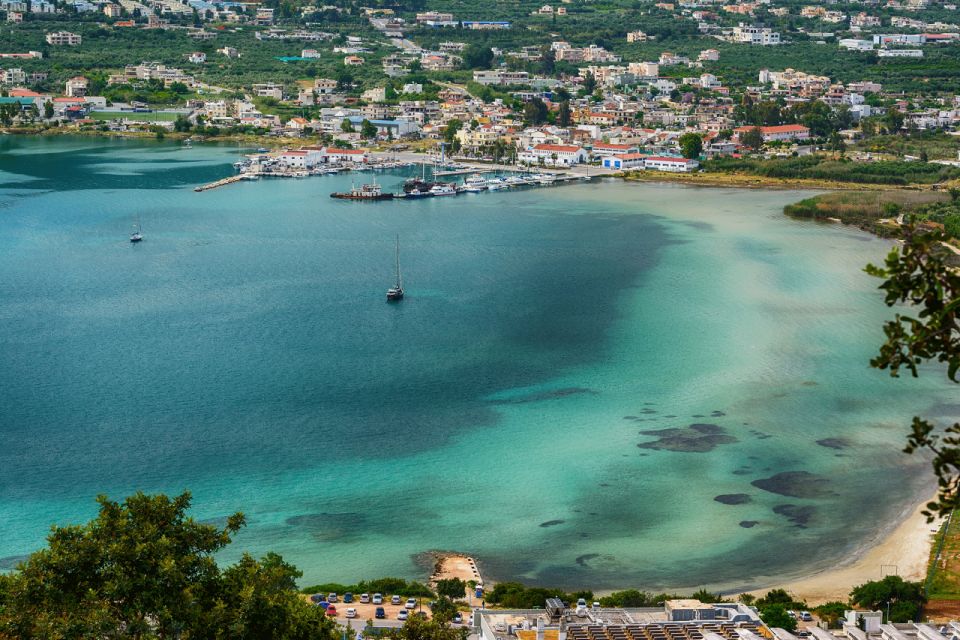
{"x": 372, "y": 191}
{"x": 395, "y": 293}
{"x": 496, "y": 184}
{"x": 137, "y": 235}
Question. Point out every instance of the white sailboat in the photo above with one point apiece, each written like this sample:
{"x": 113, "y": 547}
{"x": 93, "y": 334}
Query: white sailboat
{"x": 137, "y": 235}
{"x": 395, "y": 293}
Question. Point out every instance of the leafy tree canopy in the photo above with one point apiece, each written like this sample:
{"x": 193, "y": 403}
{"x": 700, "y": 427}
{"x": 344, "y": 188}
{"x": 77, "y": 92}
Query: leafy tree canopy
{"x": 145, "y": 569}
{"x": 927, "y": 331}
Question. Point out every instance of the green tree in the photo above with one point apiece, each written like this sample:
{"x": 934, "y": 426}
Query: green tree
{"x": 691, "y": 145}
{"x": 443, "y": 609}
{"x": 904, "y": 598}
{"x": 775, "y": 615}
{"x": 182, "y": 124}
{"x": 452, "y": 588}
{"x": 563, "y": 114}
{"x": 48, "y": 109}
{"x": 589, "y": 83}
{"x": 346, "y": 126}
{"x": 450, "y": 131}
{"x": 368, "y": 129}
{"x": 416, "y": 628}
{"x": 477, "y": 56}
{"x": 535, "y": 112}
{"x": 752, "y": 138}
{"x": 928, "y": 330}
{"x": 832, "y": 612}
{"x": 145, "y": 569}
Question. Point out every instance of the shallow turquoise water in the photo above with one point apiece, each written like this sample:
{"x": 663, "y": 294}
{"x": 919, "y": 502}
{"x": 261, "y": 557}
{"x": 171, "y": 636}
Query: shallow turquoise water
{"x": 244, "y": 351}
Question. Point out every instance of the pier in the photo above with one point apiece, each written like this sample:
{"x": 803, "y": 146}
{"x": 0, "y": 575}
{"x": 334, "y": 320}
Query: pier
{"x": 220, "y": 183}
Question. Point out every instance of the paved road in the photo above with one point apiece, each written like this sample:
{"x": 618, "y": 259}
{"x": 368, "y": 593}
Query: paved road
{"x": 579, "y": 170}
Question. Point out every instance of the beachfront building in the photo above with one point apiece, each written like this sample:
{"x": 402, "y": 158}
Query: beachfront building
{"x": 624, "y": 161}
{"x": 553, "y": 155}
{"x": 676, "y": 620}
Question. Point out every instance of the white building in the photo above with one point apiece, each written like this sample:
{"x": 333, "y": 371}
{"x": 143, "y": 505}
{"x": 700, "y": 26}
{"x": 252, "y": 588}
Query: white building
{"x": 554, "y": 155}
{"x": 76, "y": 87}
{"x": 670, "y": 164}
{"x": 900, "y": 53}
{"x": 755, "y": 35}
{"x": 58, "y": 38}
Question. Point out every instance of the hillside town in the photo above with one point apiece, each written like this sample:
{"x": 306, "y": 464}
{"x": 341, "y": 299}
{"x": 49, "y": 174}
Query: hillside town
{"x": 554, "y": 104}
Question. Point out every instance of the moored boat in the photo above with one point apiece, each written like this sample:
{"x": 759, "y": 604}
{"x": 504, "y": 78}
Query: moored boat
{"x": 441, "y": 189}
{"x": 371, "y": 191}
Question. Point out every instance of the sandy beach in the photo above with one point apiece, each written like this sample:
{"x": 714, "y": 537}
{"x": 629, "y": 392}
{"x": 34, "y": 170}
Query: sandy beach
{"x": 903, "y": 549}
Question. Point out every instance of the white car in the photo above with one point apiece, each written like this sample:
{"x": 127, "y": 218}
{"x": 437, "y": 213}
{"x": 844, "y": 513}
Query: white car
{"x": 394, "y": 599}
{"x": 411, "y": 603}
{"x": 402, "y": 614}
{"x": 364, "y": 598}
{"x": 377, "y": 598}
{"x": 351, "y": 613}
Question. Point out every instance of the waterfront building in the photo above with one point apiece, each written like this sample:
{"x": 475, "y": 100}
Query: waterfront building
{"x": 553, "y": 155}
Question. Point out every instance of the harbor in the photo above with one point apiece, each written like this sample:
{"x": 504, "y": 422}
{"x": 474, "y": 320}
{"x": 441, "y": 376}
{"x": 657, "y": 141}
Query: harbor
{"x": 317, "y": 161}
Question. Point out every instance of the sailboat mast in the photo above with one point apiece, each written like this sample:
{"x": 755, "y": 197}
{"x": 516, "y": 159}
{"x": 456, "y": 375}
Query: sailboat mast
{"x": 399, "y": 282}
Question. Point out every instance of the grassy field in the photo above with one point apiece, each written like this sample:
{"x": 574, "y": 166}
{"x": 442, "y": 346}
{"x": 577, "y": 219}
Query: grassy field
{"x": 139, "y": 116}
{"x": 943, "y": 572}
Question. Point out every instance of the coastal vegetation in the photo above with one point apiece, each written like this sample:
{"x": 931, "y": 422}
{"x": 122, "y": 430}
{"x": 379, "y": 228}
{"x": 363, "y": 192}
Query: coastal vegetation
{"x": 943, "y": 572}
{"x": 397, "y": 586}
{"x": 145, "y": 569}
{"x": 899, "y": 599}
{"x": 820, "y": 167}
{"x": 928, "y": 330}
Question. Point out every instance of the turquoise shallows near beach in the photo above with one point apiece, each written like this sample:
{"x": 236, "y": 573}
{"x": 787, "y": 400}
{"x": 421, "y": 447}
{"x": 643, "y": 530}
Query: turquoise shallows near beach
{"x": 575, "y": 375}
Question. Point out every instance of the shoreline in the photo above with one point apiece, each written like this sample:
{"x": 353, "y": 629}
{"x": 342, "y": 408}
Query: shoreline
{"x": 728, "y": 180}
{"x": 903, "y": 547}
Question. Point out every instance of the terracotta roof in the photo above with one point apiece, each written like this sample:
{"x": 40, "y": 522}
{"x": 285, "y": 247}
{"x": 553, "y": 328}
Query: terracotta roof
{"x": 345, "y": 151}
{"x": 668, "y": 159}
{"x": 557, "y": 147}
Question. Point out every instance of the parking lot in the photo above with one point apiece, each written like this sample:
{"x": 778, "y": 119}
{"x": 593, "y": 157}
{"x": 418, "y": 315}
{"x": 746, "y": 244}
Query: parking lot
{"x": 368, "y": 611}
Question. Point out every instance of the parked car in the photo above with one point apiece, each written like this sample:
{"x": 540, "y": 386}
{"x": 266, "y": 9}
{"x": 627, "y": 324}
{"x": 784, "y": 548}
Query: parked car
{"x": 317, "y": 597}
{"x": 411, "y": 603}
{"x": 331, "y": 611}
{"x": 805, "y": 616}
{"x": 377, "y": 598}
{"x": 457, "y": 618}
{"x": 402, "y": 614}
{"x": 348, "y": 597}
{"x": 380, "y": 613}
{"x": 351, "y": 613}
{"x": 323, "y": 603}
{"x": 394, "y": 599}
{"x": 331, "y": 597}
{"x": 364, "y": 598}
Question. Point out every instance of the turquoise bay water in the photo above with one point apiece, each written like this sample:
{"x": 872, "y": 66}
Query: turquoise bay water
{"x": 245, "y": 351}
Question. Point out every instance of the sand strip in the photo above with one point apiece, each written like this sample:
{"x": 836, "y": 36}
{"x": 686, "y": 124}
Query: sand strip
{"x": 903, "y": 549}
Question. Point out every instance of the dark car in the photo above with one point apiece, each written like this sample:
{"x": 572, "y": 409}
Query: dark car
{"x": 457, "y": 618}
{"x": 348, "y": 597}
{"x": 380, "y": 613}
{"x": 317, "y": 597}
